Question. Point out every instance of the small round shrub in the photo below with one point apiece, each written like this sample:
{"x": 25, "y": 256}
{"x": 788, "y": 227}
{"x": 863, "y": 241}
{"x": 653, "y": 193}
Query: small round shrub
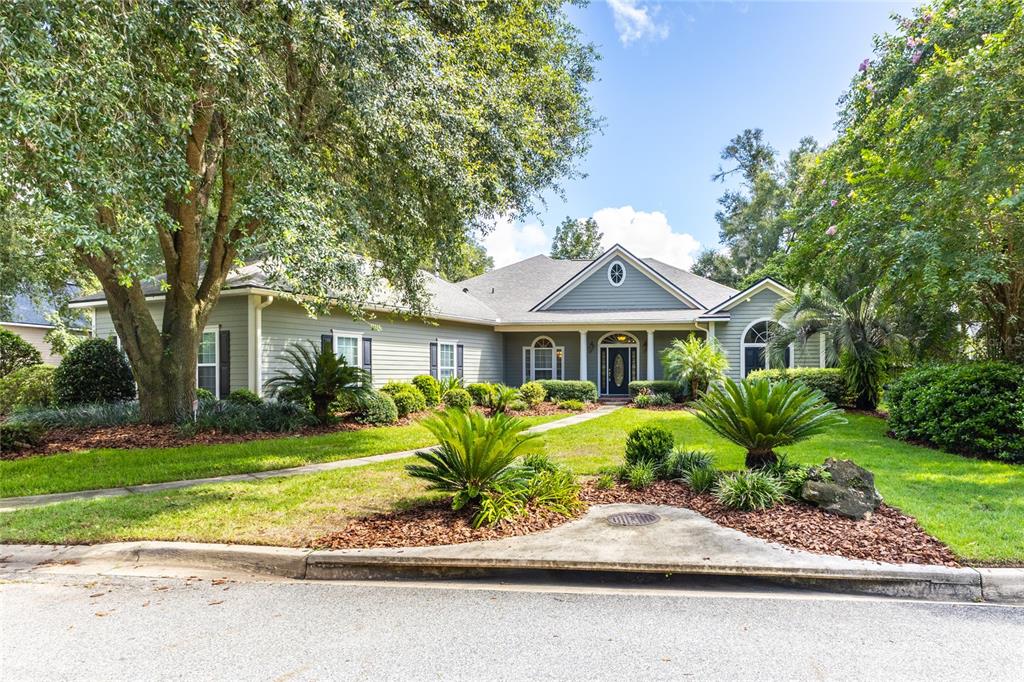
{"x": 244, "y": 396}
{"x": 407, "y": 397}
{"x": 458, "y": 398}
{"x": 532, "y": 393}
{"x": 702, "y": 479}
{"x": 20, "y": 435}
{"x": 377, "y": 409}
{"x": 482, "y": 394}
{"x": 648, "y": 443}
{"x": 572, "y": 405}
{"x": 641, "y": 474}
{"x": 95, "y": 371}
{"x": 429, "y": 387}
{"x": 16, "y": 352}
{"x": 517, "y": 405}
{"x": 681, "y": 462}
{"x": 205, "y": 396}
{"x": 30, "y": 386}
{"x": 749, "y": 490}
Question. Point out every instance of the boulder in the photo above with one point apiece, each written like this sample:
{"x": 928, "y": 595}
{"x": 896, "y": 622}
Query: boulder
{"x": 850, "y": 492}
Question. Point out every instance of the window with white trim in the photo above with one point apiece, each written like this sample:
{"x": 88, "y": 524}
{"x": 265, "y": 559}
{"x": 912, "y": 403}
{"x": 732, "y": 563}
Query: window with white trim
{"x": 543, "y": 360}
{"x": 616, "y": 273}
{"x": 207, "y": 375}
{"x": 754, "y": 349}
{"x": 349, "y": 347}
{"x": 446, "y": 360}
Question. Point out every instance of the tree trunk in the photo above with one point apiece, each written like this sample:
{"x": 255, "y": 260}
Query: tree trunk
{"x": 759, "y": 459}
{"x": 694, "y": 388}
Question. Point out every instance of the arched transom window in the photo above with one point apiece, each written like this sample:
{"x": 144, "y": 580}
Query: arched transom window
{"x": 754, "y": 348}
{"x": 616, "y": 273}
{"x": 543, "y": 360}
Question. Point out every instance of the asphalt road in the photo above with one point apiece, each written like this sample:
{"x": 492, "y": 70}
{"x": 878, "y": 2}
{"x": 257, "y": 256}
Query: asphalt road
{"x": 136, "y": 628}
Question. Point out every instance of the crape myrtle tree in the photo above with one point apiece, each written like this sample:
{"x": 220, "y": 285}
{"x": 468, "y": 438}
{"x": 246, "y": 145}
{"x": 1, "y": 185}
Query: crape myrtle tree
{"x": 337, "y": 141}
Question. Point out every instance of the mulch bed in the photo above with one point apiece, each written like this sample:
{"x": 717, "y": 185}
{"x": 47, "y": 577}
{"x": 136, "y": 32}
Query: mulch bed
{"x": 888, "y": 536}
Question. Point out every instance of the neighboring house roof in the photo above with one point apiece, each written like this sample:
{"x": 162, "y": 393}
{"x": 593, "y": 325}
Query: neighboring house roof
{"x": 25, "y": 312}
{"x": 769, "y": 284}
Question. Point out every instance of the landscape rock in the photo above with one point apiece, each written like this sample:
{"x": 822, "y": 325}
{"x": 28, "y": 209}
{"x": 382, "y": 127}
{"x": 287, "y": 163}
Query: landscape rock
{"x": 851, "y": 491}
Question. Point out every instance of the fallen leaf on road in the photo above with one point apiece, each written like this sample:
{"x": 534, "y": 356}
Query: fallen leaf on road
{"x": 98, "y": 594}
{"x": 101, "y": 614}
{"x": 216, "y": 601}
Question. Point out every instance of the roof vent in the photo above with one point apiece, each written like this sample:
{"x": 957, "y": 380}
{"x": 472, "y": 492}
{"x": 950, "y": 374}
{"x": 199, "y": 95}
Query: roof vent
{"x": 492, "y": 290}
{"x": 465, "y": 290}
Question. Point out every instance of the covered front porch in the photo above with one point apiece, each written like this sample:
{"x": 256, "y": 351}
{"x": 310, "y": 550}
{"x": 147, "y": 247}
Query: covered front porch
{"x": 611, "y": 356}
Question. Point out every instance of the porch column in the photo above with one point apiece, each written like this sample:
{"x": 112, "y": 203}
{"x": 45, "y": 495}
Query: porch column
{"x": 650, "y": 355}
{"x": 583, "y": 355}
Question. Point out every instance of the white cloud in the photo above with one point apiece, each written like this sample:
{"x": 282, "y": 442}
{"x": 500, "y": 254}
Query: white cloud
{"x": 508, "y": 242}
{"x": 636, "y": 21}
{"x": 647, "y": 235}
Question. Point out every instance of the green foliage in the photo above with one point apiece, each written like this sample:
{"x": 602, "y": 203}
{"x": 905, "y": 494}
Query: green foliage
{"x": 95, "y": 371}
{"x": 245, "y": 397}
{"x": 694, "y": 362}
{"x": 517, "y": 405}
{"x": 532, "y": 393}
{"x": 760, "y": 415}
{"x": 559, "y": 389}
{"x": 649, "y": 443}
{"x": 458, "y": 398}
{"x": 204, "y": 396}
{"x": 475, "y": 454}
{"x": 482, "y": 394}
{"x": 319, "y": 377}
{"x": 830, "y": 381}
{"x": 448, "y": 383}
{"x": 30, "y": 386}
{"x": 377, "y": 409}
{"x": 972, "y": 408}
{"x": 16, "y": 352}
{"x": 548, "y": 487}
{"x": 606, "y": 481}
{"x": 576, "y": 239}
{"x": 85, "y": 415}
{"x": 643, "y": 400}
{"x": 19, "y": 435}
{"x": 749, "y": 490}
{"x": 430, "y": 388}
{"x": 682, "y": 461}
{"x": 571, "y": 405}
{"x": 407, "y": 397}
{"x": 640, "y": 474}
{"x": 503, "y": 397}
{"x": 228, "y": 416}
{"x": 679, "y": 391}
{"x": 62, "y": 339}
{"x": 702, "y": 479}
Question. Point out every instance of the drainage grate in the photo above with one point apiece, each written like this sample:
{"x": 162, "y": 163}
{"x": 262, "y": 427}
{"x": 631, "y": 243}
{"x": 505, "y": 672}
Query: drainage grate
{"x": 633, "y": 519}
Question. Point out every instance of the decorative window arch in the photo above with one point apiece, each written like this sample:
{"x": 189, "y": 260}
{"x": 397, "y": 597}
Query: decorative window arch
{"x": 754, "y": 347}
{"x": 542, "y": 359}
{"x": 619, "y": 339}
{"x": 616, "y": 273}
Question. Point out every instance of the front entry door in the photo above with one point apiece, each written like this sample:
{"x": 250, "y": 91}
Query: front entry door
{"x": 618, "y": 371}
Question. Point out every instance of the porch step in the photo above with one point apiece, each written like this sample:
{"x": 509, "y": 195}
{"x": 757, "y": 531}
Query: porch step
{"x": 613, "y": 400}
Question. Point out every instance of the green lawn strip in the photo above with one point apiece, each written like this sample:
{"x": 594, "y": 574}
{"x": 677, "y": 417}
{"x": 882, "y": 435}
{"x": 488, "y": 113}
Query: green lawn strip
{"x": 109, "y": 468}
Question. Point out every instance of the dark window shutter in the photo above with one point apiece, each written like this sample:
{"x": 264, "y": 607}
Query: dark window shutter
{"x": 326, "y": 342}
{"x": 433, "y": 359}
{"x": 367, "y": 355}
{"x": 225, "y": 363}
{"x": 458, "y": 360}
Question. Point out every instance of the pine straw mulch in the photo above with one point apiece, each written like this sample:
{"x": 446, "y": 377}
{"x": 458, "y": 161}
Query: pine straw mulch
{"x": 888, "y": 536}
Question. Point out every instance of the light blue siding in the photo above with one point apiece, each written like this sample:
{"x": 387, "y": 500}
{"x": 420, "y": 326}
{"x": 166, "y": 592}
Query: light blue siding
{"x": 637, "y": 292}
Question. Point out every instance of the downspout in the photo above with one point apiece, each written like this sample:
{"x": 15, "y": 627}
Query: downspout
{"x": 258, "y": 345}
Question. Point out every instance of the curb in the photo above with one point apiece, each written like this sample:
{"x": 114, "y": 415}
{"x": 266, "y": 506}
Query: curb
{"x": 909, "y": 581}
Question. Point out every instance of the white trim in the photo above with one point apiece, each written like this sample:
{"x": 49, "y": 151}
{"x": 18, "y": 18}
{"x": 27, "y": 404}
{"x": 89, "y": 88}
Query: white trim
{"x": 346, "y": 334}
{"x": 608, "y": 272}
{"x": 215, "y": 330}
{"x": 711, "y": 330}
{"x": 744, "y": 345}
{"x": 747, "y": 294}
{"x": 531, "y": 351}
{"x": 583, "y": 354}
{"x": 602, "y": 348}
{"x": 821, "y": 350}
{"x": 650, "y": 355}
{"x": 454, "y": 343}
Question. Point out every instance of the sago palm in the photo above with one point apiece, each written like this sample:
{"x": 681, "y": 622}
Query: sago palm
{"x": 694, "y": 361}
{"x": 319, "y": 376}
{"x": 475, "y": 454}
{"x": 761, "y": 415}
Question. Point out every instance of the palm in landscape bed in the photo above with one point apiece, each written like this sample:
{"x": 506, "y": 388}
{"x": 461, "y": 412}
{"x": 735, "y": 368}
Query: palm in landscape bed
{"x": 320, "y": 377}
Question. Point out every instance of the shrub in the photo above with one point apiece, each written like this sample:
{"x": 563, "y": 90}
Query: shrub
{"x": 237, "y": 417}
{"x": 605, "y": 482}
{"x": 558, "y": 389}
{"x": 572, "y": 405}
{"x": 482, "y": 394}
{"x": 377, "y": 409}
{"x": 518, "y": 405}
{"x": 95, "y": 371}
{"x": 640, "y": 474}
{"x": 407, "y": 397}
{"x": 681, "y": 462}
{"x": 793, "y": 478}
{"x": 448, "y": 383}
{"x": 539, "y": 462}
{"x": 204, "y": 395}
{"x": 677, "y": 390}
{"x": 458, "y": 398}
{"x": 551, "y": 488}
{"x": 694, "y": 362}
{"x": 19, "y": 435}
{"x": 430, "y": 388}
{"x": 30, "y": 386}
{"x": 16, "y": 352}
{"x": 81, "y": 416}
{"x": 648, "y": 443}
{"x": 701, "y": 480}
{"x": 282, "y": 417}
{"x": 760, "y": 415}
{"x": 319, "y": 377}
{"x": 244, "y": 396}
{"x": 532, "y": 393}
{"x": 971, "y": 408}
{"x": 475, "y": 454}
{"x": 643, "y": 400}
{"x": 831, "y": 381}
{"x": 503, "y": 397}
{"x": 749, "y": 490}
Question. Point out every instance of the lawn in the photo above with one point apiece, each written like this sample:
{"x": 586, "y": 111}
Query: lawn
{"x": 976, "y": 507}
{"x": 109, "y": 468}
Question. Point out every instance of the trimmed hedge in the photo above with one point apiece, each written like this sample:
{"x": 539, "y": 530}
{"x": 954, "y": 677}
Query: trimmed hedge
{"x": 30, "y": 386}
{"x": 971, "y": 408}
{"x": 429, "y": 387}
{"x": 559, "y": 390}
{"x": 95, "y": 371}
{"x": 482, "y": 394}
{"x": 677, "y": 389}
{"x": 532, "y": 393}
{"x": 829, "y": 381}
{"x": 407, "y": 397}
{"x": 649, "y": 443}
{"x": 377, "y": 409}
{"x": 16, "y": 352}
{"x": 457, "y": 398}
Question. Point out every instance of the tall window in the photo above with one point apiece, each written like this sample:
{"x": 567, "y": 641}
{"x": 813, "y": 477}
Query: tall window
{"x": 543, "y": 360}
{"x": 445, "y": 360}
{"x": 347, "y": 347}
{"x": 206, "y": 371}
{"x": 755, "y": 348}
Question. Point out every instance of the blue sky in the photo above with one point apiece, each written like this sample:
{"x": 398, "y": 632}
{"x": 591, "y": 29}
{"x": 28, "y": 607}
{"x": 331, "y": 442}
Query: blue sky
{"x": 677, "y": 80}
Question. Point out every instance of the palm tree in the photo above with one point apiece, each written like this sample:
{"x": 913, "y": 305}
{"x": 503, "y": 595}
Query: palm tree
{"x": 860, "y": 333}
{"x": 695, "y": 361}
{"x": 320, "y": 377}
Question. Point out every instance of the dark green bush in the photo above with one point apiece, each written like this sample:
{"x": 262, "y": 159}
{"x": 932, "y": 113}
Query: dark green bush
{"x": 458, "y": 398}
{"x": 558, "y": 390}
{"x": 429, "y": 387}
{"x": 86, "y": 415}
{"x": 483, "y": 394}
{"x": 245, "y": 397}
{"x": 205, "y": 395}
{"x": 971, "y": 408}
{"x": 408, "y": 399}
{"x": 30, "y": 386}
{"x": 16, "y": 352}
{"x": 649, "y": 443}
{"x": 377, "y": 409}
{"x": 532, "y": 393}
{"x": 95, "y": 371}
{"x": 681, "y": 462}
{"x": 236, "y": 417}
{"x": 19, "y": 435}
{"x": 829, "y": 381}
{"x": 678, "y": 390}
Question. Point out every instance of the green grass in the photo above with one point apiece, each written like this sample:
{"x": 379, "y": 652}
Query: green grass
{"x": 976, "y": 507}
{"x": 110, "y": 468}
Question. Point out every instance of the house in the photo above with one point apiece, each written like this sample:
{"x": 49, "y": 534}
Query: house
{"x": 604, "y": 320}
{"x": 32, "y": 321}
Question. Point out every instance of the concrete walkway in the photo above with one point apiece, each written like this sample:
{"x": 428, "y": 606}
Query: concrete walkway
{"x": 14, "y": 503}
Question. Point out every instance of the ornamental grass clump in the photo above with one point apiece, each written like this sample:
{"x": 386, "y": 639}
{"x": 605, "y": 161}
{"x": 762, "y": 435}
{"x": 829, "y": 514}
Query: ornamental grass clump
{"x": 682, "y": 461}
{"x": 702, "y": 479}
{"x": 749, "y": 490}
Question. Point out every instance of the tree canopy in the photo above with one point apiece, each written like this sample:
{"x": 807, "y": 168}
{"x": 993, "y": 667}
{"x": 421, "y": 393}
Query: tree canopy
{"x": 576, "y": 238}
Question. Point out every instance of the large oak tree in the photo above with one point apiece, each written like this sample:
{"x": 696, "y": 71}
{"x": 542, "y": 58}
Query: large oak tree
{"x": 338, "y": 141}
